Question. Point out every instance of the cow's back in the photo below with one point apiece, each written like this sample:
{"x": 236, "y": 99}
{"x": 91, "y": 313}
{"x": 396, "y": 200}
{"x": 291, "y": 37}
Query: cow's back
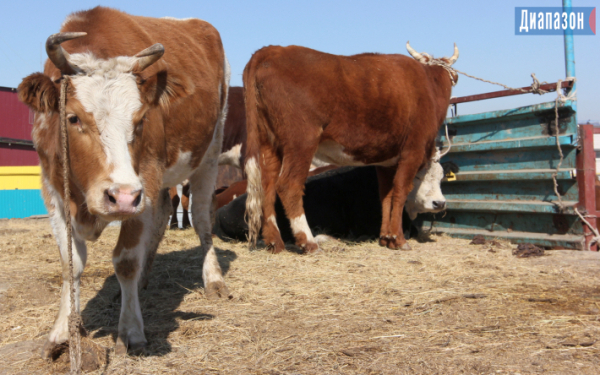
{"x": 371, "y": 104}
{"x": 191, "y": 45}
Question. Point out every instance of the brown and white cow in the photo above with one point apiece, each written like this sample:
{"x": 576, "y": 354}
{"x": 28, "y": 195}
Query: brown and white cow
{"x": 232, "y": 151}
{"x": 367, "y": 109}
{"x": 137, "y": 125}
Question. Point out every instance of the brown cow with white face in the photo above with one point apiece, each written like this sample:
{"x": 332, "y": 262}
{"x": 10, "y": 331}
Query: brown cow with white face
{"x": 368, "y": 109}
{"x": 138, "y": 123}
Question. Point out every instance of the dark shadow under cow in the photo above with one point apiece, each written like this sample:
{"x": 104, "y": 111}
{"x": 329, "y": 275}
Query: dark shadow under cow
{"x": 342, "y": 203}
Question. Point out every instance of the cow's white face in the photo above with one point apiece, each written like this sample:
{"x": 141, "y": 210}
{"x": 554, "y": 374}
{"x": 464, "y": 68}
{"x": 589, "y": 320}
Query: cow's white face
{"x": 426, "y": 195}
{"x": 115, "y": 164}
{"x": 105, "y": 109}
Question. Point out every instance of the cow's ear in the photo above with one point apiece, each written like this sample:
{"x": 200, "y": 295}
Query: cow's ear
{"x": 450, "y": 166}
{"x": 163, "y": 88}
{"x": 39, "y": 93}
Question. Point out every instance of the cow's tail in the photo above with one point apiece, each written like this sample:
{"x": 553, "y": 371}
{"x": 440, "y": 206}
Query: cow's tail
{"x": 254, "y": 191}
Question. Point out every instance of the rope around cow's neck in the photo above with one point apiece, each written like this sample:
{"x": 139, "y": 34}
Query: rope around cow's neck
{"x": 74, "y": 319}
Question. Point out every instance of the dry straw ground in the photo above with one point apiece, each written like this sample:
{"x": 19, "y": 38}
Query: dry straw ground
{"x": 445, "y": 307}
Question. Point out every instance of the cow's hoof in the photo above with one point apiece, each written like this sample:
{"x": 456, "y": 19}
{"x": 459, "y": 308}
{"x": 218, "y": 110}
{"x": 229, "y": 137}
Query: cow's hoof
{"x": 383, "y": 241}
{"x": 52, "y": 350}
{"x": 311, "y": 248}
{"x": 395, "y": 244}
{"x": 216, "y": 290}
{"x": 275, "y": 247}
{"x": 121, "y": 348}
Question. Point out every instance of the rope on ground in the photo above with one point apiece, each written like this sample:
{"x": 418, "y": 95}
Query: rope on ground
{"x": 596, "y": 238}
{"x": 74, "y": 319}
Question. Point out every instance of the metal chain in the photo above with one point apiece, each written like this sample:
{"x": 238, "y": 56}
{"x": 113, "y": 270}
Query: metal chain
{"x": 74, "y": 319}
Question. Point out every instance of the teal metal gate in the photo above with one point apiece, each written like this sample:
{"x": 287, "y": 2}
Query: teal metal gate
{"x": 504, "y": 188}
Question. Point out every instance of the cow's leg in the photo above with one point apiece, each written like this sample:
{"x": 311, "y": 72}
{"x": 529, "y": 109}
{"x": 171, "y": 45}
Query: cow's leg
{"x": 175, "y": 203}
{"x": 60, "y": 331}
{"x": 202, "y": 186}
{"x": 271, "y": 166}
{"x": 385, "y": 179}
{"x": 132, "y": 258}
{"x": 403, "y": 184}
{"x": 290, "y": 188}
{"x": 185, "y": 203}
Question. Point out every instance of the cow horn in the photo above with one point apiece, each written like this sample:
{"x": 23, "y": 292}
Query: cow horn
{"x": 149, "y": 56}
{"x": 416, "y": 55}
{"x": 454, "y": 57}
{"x": 449, "y": 143}
{"x": 57, "y": 54}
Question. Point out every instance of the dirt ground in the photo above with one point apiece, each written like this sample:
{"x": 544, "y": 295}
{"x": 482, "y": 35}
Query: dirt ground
{"x": 445, "y": 307}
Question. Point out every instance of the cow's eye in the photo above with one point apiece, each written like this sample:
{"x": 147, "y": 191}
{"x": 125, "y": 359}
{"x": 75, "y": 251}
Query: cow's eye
{"x": 73, "y": 119}
{"x": 140, "y": 125}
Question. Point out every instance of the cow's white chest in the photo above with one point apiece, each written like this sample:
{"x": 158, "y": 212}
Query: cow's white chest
{"x": 333, "y": 153}
{"x": 179, "y": 171}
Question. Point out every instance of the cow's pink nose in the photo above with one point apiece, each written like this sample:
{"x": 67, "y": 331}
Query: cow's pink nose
{"x": 122, "y": 200}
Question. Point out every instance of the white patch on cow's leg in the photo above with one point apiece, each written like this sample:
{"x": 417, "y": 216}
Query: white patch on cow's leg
{"x": 202, "y": 186}
{"x": 132, "y": 266}
{"x": 273, "y": 220}
{"x": 300, "y": 225}
{"x": 232, "y": 157}
{"x": 213, "y": 276}
{"x": 60, "y": 331}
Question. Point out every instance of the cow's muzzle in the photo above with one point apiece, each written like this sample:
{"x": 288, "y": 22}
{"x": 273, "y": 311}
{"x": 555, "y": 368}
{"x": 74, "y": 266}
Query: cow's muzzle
{"x": 122, "y": 200}
{"x": 438, "y": 205}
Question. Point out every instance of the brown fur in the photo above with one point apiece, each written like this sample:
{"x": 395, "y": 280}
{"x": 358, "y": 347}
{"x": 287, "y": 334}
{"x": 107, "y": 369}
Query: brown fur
{"x": 126, "y": 268}
{"x": 175, "y": 81}
{"x": 129, "y": 237}
{"x": 181, "y": 104}
{"x": 234, "y": 133}
{"x": 235, "y": 125}
{"x": 377, "y": 107}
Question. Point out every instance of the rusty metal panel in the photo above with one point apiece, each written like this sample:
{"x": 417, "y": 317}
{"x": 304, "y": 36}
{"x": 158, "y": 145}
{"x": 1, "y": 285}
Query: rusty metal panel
{"x": 504, "y": 187}
{"x": 520, "y": 91}
{"x": 15, "y": 155}
{"x": 16, "y": 120}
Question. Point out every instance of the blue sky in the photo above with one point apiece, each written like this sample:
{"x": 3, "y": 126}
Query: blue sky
{"x": 483, "y": 31}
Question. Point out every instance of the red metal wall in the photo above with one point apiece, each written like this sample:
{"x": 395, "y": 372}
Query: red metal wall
{"x": 16, "y": 122}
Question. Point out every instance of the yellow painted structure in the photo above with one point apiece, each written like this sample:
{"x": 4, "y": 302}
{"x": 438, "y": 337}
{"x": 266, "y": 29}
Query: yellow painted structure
{"x": 22, "y": 178}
